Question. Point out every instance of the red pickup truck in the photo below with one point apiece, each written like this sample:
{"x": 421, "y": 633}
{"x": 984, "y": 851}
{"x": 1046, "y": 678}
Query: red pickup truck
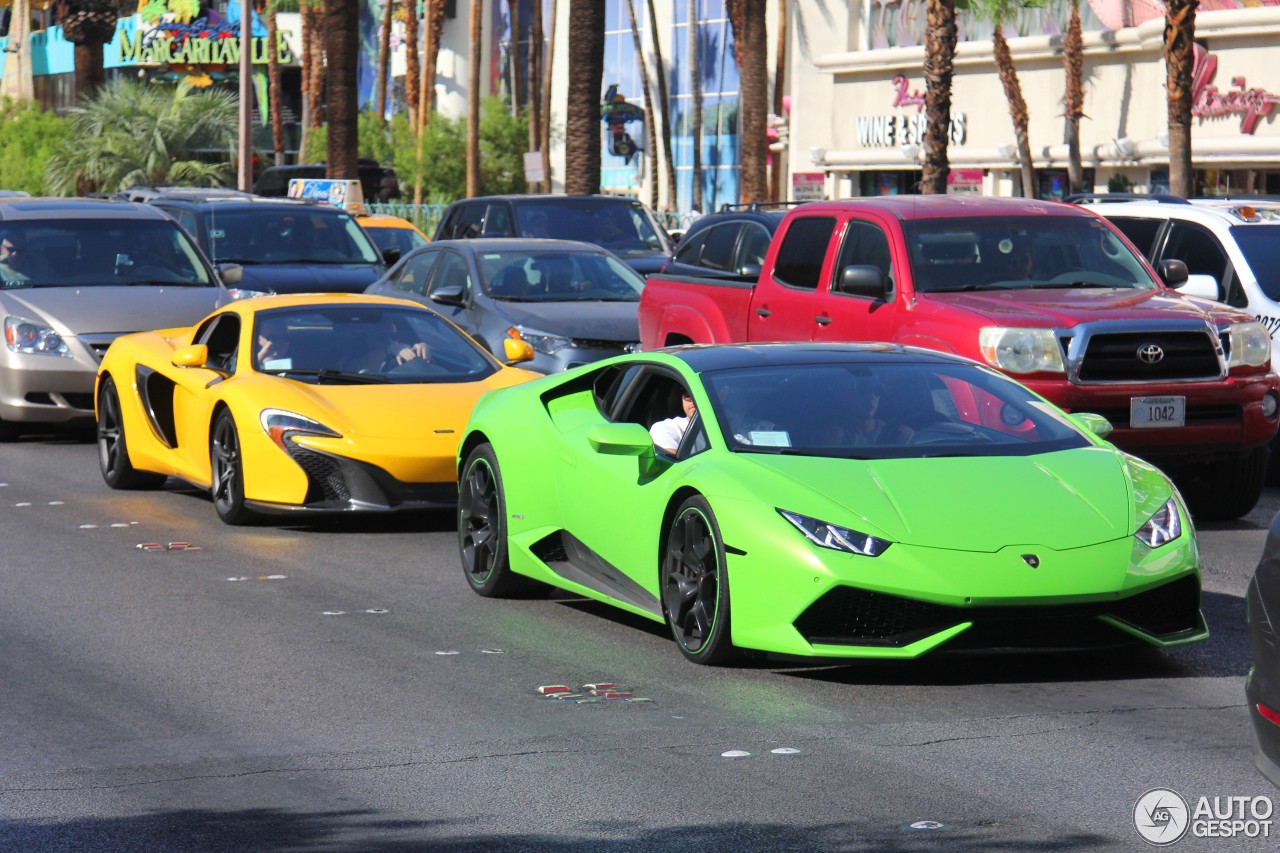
{"x": 1048, "y": 293}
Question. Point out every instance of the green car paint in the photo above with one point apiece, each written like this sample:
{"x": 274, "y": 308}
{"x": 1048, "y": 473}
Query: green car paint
{"x": 974, "y": 538}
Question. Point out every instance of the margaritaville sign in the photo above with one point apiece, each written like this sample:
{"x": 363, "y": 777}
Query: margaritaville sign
{"x": 196, "y": 43}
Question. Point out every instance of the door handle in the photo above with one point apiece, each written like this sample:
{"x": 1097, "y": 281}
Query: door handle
{"x": 823, "y": 320}
{"x": 763, "y": 312}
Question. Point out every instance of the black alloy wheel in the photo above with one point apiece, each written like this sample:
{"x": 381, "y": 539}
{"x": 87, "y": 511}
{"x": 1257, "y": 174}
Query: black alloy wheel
{"x": 695, "y": 588}
{"x": 113, "y": 450}
{"x": 482, "y": 528}
{"x": 226, "y": 467}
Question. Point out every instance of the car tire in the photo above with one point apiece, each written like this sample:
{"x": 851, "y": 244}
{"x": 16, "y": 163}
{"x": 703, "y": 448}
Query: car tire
{"x": 695, "y": 585}
{"x": 226, "y": 469}
{"x": 113, "y": 448}
{"x": 1231, "y": 488}
{"x": 482, "y": 528}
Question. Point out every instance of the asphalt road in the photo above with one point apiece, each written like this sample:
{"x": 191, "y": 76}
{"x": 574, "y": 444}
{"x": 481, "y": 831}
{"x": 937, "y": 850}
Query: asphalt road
{"x": 338, "y": 687}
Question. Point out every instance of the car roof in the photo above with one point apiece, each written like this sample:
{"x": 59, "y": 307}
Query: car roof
{"x": 1237, "y": 210}
{"x": 181, "y": 193}
{"x": 251, "y": 202}
{"x": 516, "y": 244}
{"x": 545, "y": 198}
{"x": 915, "y": 207}
{"x": 303, "y": 300}
{"x": 16, "y": 209}
{"x": 708, "y": 357}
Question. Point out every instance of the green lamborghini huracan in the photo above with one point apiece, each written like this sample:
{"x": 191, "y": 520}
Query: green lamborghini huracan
{"x": 825, "y": 500}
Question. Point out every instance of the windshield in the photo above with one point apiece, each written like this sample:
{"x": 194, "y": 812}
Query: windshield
{"x": 884, "y": 409}
{"x": 403, "y": 240}
{"x": 624, "y": 228}
{"x": 558, "y": 276}
{"x": 346, "y": 344}
{"x": 99, "y": 252}
{"x": 292, "y": 234}
{"x": 1260, "y": 245}
{"x": 1005, "y": 253}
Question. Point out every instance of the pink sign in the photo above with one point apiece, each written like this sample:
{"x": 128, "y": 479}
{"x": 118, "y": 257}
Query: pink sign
{"x": 905, "y": 98}
{"x": 1252, "y": 105}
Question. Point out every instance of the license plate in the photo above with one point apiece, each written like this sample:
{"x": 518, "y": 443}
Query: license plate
{"x": 1147, "y": 412}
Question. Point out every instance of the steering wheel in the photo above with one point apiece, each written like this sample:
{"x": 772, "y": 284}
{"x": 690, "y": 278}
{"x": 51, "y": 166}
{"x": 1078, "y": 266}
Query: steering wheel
{"x": 947, "y": 432}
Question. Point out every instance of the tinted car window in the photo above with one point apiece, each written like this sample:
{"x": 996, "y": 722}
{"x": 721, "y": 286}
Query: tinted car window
{"x": 451, "y": 271}
{"x": 754, "y": 245}
{"x": 1197, "y": 248}
{"x": 497, "y": 222}
{"x": 622, "y": 227}
{"x": 286, "y": 234}
{"x": 865, "y": 244}
{"x": 413, "y": 274}
{"x": 721, "y": 241}
{"x": 467, "y": 222}
{"x": 1261, "y": 247}
{"x": 88, "y": 252}
{"x": 555, "y": 276}
{"x": 691, "y": 248}
{"x": 1141, "y": 232}
{"x": 799, "y": 261}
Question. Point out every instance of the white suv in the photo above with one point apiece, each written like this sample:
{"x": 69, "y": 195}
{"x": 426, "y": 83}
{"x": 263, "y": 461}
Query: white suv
{"x": 1231, "y": 246}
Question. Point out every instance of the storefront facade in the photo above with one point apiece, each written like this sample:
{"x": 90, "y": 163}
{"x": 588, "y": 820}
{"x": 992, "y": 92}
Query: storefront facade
{"x": 858, "y": 118}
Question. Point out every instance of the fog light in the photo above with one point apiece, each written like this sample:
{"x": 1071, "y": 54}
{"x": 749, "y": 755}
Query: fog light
{"x": 1270, "y": 405}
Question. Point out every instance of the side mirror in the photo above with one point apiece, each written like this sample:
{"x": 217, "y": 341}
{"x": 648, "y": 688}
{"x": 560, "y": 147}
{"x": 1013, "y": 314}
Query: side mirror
{"x": 517, "y": 351}
{"x": 861, "y": 280}
{"x": 230, "y": 273}
{"x": 450, "y": 294}
{"x": 1089, "y": 422}
{"x": 750, "y": 271}
{"x": 195, "y": 355}
{"x": 1173, "y": 272}
{"x": 1205, "y": 286}
{"x": 390, "y": 256}
{"x": 621, "y": 439}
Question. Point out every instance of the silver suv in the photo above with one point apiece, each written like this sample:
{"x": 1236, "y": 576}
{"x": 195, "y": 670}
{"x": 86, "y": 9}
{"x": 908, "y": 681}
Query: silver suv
{"x": 1231, "y": 246}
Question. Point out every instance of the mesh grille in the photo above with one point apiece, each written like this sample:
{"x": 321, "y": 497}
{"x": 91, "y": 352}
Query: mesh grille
{"x": 323, "y": 473}
{"x": 1114, "y": 357}
{"x": 1168, "y": 609}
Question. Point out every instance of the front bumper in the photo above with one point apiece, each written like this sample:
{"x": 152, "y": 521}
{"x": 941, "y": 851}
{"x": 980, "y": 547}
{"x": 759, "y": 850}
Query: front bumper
{"x": 46, "y": 388}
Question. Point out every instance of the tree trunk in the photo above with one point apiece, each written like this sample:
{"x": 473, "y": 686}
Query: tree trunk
{"x": 650, "y": 135}
{"x": 274, "y": 90}
{"x": 1073, "y": 98}
{"x": 89, "y": 25}
{"x": 546, "y": 99}
{"x": 751, "y": 48}
{"x": 777, "y": 190}
{"x": 1017, "y": 110}
{"x": 664, "y": 110}
{"x": 384, "y": 61}
{"x": 412, "y": 61}
{"x": 1179, "y": 38}
{"x": 582, "y": 112}
{"x": 535, "y": 84}
{"x": 939, "y": 52}
{"x": 517, "y": 57}
{"x": 695, "y": 106}
{"x": 474, "y": 62}
{"x": 313, "y": 71}
{"x": 342, "y": 29}
{"x": 434, "y": 22}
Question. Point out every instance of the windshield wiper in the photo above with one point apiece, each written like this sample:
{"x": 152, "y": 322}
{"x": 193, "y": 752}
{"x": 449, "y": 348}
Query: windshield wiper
{"x": 275, "y": 261}
{"x": 240, "y": 261}
{"x": 1052, "y": 285}
{"x": 335, "y": 377}
{"x": 965, "y": 288}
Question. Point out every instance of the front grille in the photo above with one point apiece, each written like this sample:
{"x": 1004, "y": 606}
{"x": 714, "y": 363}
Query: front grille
{"x": 1114, "y": 357}
{"x": 586, "y": 343}
{"x": 847, "y": 616}
{"x": 327, "y": 485}
{"x": 98, "y": 343}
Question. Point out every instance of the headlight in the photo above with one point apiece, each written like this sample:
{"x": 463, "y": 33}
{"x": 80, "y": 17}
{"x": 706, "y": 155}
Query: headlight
{"x": 238, "y": 293}
{"x": 540, "y": 341}
{"x": 1250, "y": 344}
{"x": 32, "y": 338}
{"x": 280, "y": 424}
{"x": 836, "y": 538}
{"x": 1021, "y": 350}
{"x": 1163, "y": 527}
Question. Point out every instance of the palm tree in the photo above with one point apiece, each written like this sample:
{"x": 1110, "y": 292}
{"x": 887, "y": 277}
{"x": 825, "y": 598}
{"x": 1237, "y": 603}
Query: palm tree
{"x": 546, "y": 98}
{"x": 535, "y": 83}
{"x": 274, "y": 89}
{"x": 342, "y": 30}
{"x": 664, "y": 109}
{"x": 751, "y": 50}
{"x": 517, "y": 57}
{"x": 650, "y": 135}
{"x": 1179, "y": 40}
{"x": 998, "y": 12}
{"x": 412, "y": 61}
{"x": 695, "y": 105}
{"x": 433, "y": 16}
{"x": 582, "y": 112}
{"x": 779, "y": 104}
{"x": 939, "y": 53}
{"x": 131, "y": 133}
{"x": 473, "y": 100}
{"x": 384, "y": 60}
{"x": 89, "y": 25}
{"x": 1073, "y": 97}
{"x": 17, "y": 82}
{"x": 311, "y": 13}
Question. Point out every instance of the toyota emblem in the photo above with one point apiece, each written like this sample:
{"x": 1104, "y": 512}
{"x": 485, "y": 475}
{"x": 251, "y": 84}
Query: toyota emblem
{"x": 1150, "y": 354}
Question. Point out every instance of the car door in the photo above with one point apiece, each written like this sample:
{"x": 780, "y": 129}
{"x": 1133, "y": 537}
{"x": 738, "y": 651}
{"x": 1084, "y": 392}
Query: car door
{"x": 842, "y": 316}
{"x": 1203, "y": 253}
{"x": 452, "y": 271}
{"x": 196, "y": 392}
{"x": 412, "y": 276}
{"x": 785, "y": 303}
{"x": 608, "y": 503}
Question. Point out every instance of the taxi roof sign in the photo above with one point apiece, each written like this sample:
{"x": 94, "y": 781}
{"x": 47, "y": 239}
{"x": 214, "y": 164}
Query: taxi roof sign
{"x": 346, "y": 194}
